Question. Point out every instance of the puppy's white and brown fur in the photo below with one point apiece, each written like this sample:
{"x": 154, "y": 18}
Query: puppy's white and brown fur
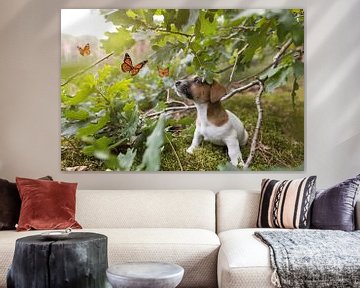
{"x": 213, "y": 123}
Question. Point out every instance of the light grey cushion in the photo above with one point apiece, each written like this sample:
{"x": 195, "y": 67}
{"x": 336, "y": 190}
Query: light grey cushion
{"x": 244, "y": 261}
{"x": 146, "y": 209}
{"x": 236, "y": 209}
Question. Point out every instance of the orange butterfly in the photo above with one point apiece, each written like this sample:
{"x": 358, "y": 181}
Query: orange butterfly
{"x": 163, "y": 72}
{"x": 84, "y": 51}
{"x": 127, "y": 65}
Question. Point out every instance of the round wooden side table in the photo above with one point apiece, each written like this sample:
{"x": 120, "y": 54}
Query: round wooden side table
{"x": 145, "y": 275}
{"x": 80, "y": 260}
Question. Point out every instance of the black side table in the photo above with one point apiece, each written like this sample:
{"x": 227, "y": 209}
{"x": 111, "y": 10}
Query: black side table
{"x": 79, "y": 261}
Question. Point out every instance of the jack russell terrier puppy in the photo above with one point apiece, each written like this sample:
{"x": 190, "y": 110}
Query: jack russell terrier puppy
{"x": 213, "y": 122}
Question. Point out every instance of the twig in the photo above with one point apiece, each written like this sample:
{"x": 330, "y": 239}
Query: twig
{"x": 170, "y": 101}
{"x": 170, "y": 32}
{"x": 236, "y": 60}
{"x": 86, "y": 69}
{"x": 282, "y": 50}
{"x": 176, "y": 155}
{"x": 176, "y": 102}
{"x": 167, "y": 95}
{"x": 240, "y": 89}
{"x": 258, "y": 124}
{"x": 170, "y": 109}
{"x": 224, "y": 69}
{"x": 102, "y": 95}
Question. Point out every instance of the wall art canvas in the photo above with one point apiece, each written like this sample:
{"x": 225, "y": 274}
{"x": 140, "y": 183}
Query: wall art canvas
{"x": 182, "y": 89}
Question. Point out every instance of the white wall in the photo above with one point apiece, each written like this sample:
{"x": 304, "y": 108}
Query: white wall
{"x": 29, "y": 94}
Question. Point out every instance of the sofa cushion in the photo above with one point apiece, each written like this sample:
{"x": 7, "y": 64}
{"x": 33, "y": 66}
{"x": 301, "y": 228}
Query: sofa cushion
{"x": 236, "y": 209}
{"x": 334, "y": 208}
{"x": 286, "y": 204}
{"x": 46, "y": 204}
{"x": 244, "y": 261}
{"x": 146, "y": 209}
{"x": 9, "y": 205}
{"x": 194, "y": 249}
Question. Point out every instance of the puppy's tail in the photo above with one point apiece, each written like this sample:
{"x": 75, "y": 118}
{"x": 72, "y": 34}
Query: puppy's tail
{"x": 244, "y": 138}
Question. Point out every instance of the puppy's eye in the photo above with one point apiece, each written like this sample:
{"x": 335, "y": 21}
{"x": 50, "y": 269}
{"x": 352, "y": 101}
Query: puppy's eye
{"x": 198, "y": 80}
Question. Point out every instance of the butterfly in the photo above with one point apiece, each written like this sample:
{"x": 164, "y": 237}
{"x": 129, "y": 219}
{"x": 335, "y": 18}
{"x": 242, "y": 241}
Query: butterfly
{"x": 127, "y": 65}
{"x": 84, "y": 51}
{"x": 163, "y": 72}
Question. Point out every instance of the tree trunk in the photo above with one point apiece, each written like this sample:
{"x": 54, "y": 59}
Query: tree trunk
{"x": 79, "y": 261}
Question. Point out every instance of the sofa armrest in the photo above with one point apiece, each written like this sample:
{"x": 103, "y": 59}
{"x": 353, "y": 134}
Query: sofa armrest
{"x": 357, "y": 215}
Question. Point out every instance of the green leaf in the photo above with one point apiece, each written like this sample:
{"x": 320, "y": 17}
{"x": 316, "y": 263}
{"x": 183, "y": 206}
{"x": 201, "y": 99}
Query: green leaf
{"x": 118, "y": 42}
{"x": 298, "y": 69}
{"x": 100, "y": 145}
{"x": 298, "y": 35}
{"x": 119, "y": 17}
{"x": 256, "y": 40}
{"x": 104, "y": 73}
{"x": 86, "y": 89}
{"x": 120, "y": 88}
{"x": 169, "y": 18}
{"x": 76, "y": 114}
{"x": 295, "y": 87}
{"x": 92, "y": 128}
{"x": 154, "y": 143}
{"x": 205, "y": 27}
{"x": 277, "y": 77}
{"x": 182, "y": 18}
{"x": 126, "y": 160}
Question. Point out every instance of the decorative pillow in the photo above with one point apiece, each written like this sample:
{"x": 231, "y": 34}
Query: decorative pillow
{"x": 10, "y": 204}
{"x": 46, "y": 204}
{"x": 334, "y": 208}
{"x": 286, "y": 204}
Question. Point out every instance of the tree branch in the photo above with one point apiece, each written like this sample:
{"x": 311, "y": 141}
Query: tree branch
{"x": 170, "y": 32}
{"x": 223, "y": 70}
{"x": 282, "y": 50}
{"x": 258, "y": 124}
{"x": 236, "y": 60}
{"x": 86, "y": 69}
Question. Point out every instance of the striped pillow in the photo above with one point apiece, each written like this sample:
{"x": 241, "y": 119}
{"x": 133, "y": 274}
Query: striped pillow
{"x": 286, "y": 204}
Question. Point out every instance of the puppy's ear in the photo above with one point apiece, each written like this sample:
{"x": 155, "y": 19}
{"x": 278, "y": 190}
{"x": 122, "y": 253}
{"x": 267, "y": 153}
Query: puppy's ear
{"x": 217, "y": 91}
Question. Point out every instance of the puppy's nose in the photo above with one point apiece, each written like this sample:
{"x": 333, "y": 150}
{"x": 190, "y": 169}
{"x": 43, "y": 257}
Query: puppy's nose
{"x": 177, "y": 83}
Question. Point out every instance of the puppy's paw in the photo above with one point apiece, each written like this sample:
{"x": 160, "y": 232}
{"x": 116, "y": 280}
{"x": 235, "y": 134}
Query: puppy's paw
{"x": 241, "y": 164}
{"x": 190, "y": 150}
{"x": 238, "y": 163}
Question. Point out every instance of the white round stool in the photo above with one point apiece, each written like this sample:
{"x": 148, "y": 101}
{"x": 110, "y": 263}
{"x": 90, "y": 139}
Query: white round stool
{"x": 145, "y": 275}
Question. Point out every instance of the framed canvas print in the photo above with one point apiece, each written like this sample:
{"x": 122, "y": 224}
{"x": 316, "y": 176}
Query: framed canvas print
{"x": 182, "y": 89}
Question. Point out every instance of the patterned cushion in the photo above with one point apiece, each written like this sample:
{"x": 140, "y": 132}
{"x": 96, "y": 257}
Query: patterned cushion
{"x": 286, "y": 204}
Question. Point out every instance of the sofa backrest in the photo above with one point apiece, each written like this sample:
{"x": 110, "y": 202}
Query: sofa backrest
{"x": 236, "y": 209}
{"x": 146, "y": 209}
{"x": 239, "y": 209}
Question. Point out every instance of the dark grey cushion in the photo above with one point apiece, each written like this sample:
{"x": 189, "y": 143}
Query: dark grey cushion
{"x": 334, "y": 208}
